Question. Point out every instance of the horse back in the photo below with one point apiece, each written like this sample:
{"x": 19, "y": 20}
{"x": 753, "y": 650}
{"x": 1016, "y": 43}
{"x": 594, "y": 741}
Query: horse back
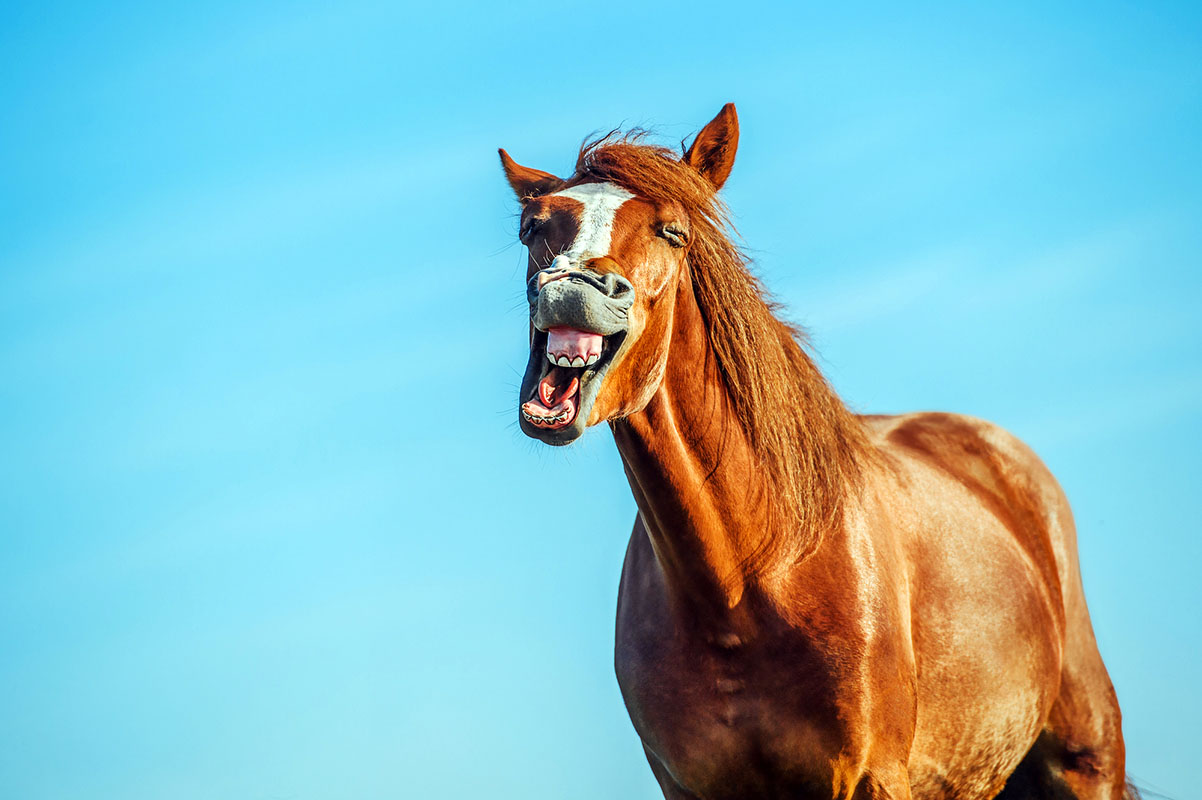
{"x": 1001, "y": 473}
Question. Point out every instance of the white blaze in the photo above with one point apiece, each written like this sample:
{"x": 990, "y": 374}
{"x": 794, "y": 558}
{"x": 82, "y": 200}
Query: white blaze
{"x": 601, "y": 203}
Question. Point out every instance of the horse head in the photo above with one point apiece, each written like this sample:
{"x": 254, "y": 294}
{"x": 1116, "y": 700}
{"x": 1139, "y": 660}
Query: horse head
{"x": 605, "y": 261}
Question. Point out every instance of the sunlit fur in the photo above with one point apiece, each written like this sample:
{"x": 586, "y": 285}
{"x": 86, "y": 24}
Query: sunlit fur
{"x": 811, "y": 457}
{"x": 816, "y": 604}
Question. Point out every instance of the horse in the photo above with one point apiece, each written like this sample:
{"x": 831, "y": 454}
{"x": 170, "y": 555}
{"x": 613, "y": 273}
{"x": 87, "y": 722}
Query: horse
{"x": 813, "y": 603}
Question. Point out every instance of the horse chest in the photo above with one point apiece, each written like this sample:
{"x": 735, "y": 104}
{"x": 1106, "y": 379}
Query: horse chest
{"x": 723, "y": 719}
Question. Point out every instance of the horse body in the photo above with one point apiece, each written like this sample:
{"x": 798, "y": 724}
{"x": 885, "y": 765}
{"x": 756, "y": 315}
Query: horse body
{"x": 920, "y": 645}
{"x": 813, "y": 604}
{"x": 883, "y": 659}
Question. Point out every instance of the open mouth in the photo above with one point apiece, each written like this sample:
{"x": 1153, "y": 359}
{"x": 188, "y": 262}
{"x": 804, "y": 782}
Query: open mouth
{"x": 565, "y": 369}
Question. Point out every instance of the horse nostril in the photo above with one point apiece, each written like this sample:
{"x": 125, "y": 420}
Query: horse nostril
{"x": 617, "y": 287}
{"x": 543, "y": 277}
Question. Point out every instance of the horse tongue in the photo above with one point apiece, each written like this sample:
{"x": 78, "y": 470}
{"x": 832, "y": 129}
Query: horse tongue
{"x": 548, "y": 391}
{"x": 571, "y": 342}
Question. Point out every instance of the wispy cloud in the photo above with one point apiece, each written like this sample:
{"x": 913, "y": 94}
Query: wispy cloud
{"x": 882, "y": 292}
{"x": 969, "y": 279}
{"x": 260, "y": 213}
{"x": 1130, "y": 408}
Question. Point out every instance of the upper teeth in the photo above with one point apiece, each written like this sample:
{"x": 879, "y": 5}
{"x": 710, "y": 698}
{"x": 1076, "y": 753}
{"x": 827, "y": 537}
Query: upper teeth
{"x": 573, "y": 361}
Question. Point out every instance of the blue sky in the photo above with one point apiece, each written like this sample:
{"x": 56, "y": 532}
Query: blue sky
{"x": 269, "y": 527}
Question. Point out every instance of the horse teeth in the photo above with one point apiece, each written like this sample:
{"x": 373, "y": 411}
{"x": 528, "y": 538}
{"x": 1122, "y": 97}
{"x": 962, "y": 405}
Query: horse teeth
{"x": 551, "y": 357}
{"x": 541, "y": 421}
{"x": 563, "y": 361}
{"x": 592, "y": 359}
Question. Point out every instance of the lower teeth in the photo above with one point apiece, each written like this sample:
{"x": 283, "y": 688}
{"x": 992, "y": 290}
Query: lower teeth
{"x": 544, "y": 420}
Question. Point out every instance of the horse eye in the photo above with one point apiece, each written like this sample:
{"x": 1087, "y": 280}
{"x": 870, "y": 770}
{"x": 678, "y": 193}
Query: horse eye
{"x": 675, "y": 236}
{"x": 528, "y": 230}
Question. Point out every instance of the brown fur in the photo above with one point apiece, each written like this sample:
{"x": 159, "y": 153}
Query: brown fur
{"x": 806, "y": 441}
{"x": 814, "y": 604}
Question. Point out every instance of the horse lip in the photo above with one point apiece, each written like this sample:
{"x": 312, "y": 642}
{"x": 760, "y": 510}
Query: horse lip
{"x": 586, "y": 302}
{"x": 591, "y": 379}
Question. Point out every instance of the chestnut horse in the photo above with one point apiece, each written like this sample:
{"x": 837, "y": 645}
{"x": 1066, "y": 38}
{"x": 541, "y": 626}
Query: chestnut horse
{"x": 814, "y": 604}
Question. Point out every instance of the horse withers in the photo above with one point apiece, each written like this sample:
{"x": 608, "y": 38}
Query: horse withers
{"x": 814, "y": 604}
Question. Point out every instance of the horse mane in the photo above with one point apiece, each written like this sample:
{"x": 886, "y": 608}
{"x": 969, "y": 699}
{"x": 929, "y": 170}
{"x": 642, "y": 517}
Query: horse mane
{"x": 809, "y": 445}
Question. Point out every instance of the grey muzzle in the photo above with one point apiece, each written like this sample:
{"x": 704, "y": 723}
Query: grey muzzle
{"x": 580, "y": 299}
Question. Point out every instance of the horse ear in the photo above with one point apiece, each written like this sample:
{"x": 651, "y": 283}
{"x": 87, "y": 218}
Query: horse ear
{"x": 713, "y": 151}
{"x": 527, "y": 182}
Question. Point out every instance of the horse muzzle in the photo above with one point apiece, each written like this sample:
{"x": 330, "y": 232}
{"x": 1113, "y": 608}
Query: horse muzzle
{"x": 581, "y": 299}
{"x": 580, "y": 319}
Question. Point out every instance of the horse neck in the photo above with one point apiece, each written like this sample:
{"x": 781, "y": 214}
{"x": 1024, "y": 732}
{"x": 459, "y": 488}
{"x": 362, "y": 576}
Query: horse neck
{"x": 703, "y": 499}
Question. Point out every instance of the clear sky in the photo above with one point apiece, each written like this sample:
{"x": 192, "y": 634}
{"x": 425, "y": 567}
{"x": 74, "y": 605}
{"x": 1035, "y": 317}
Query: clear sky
{"x": 268, "y": 527}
